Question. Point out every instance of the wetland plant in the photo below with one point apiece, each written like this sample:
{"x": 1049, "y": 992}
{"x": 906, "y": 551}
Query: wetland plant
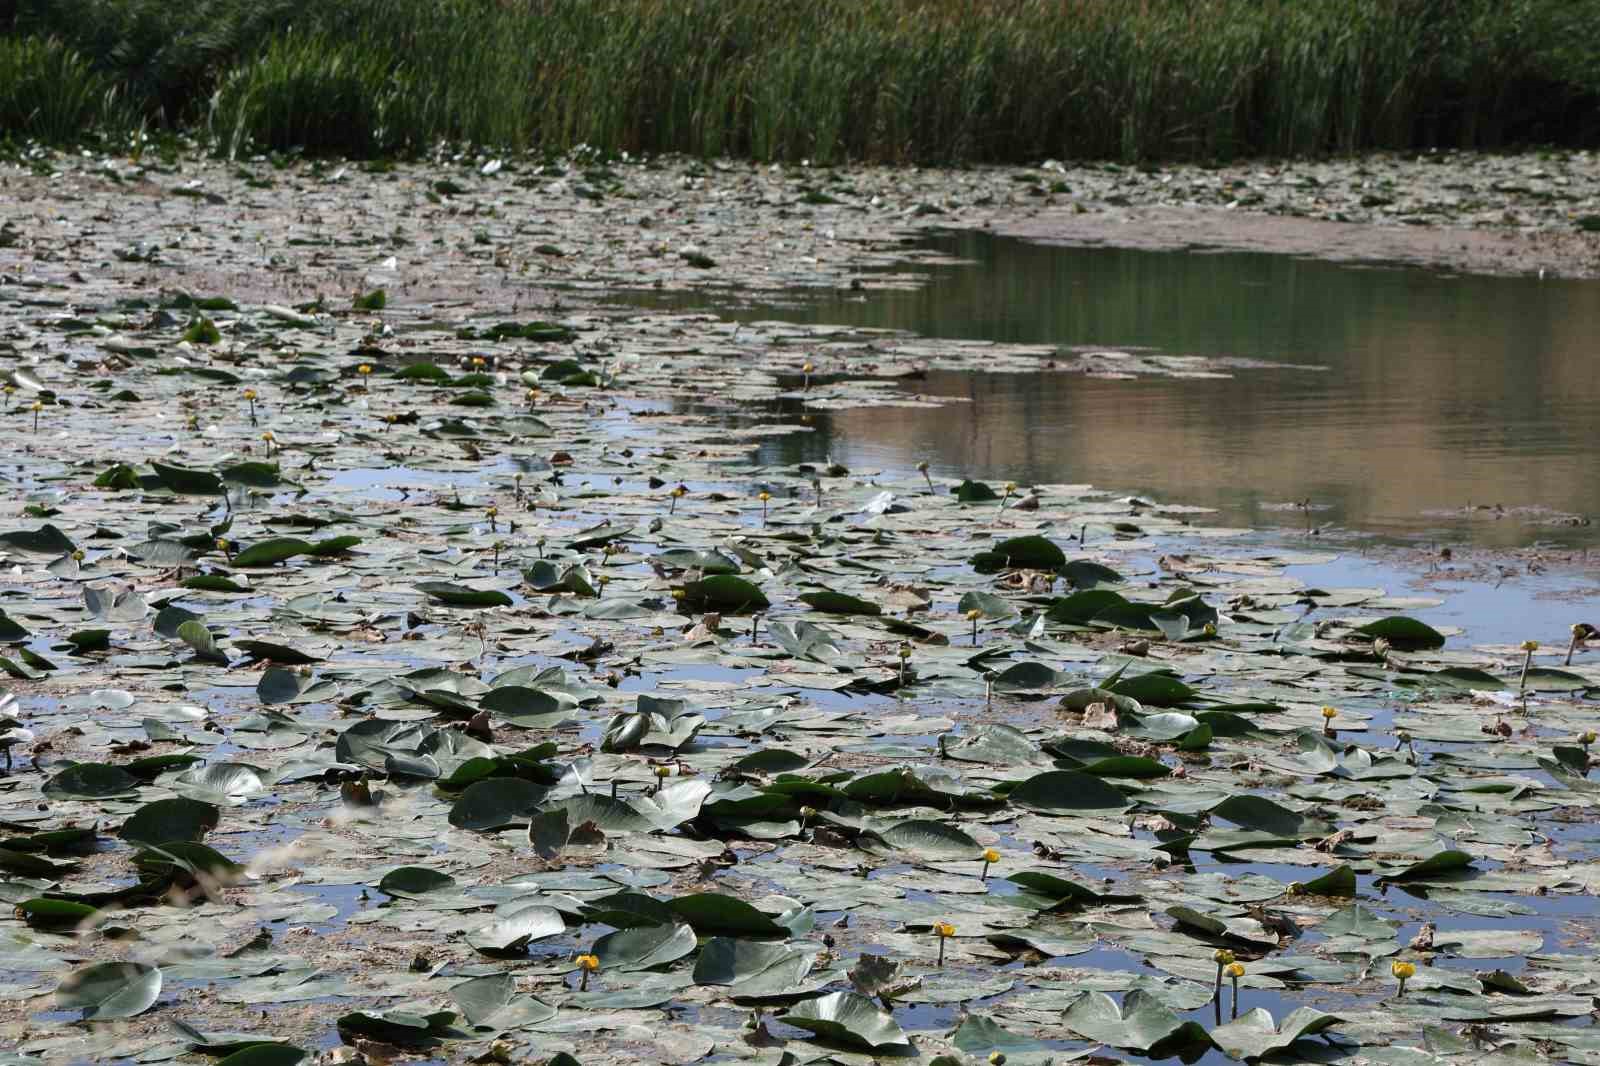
{"x": 1582, "y": 632}
{"x": 1402, "y": 972}
{"x": 1235, "y": 970}
{"x": 944, "y": 931}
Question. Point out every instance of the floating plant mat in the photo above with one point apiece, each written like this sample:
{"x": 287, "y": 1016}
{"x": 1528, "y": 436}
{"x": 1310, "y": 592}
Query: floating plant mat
{"x": 397, "y": 674}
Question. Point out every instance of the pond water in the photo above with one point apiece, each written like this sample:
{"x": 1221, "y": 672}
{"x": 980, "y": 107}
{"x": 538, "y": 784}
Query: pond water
{"x": 1451, "y": 408}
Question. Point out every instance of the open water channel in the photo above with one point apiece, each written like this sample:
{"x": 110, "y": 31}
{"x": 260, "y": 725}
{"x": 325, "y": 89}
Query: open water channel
{"x": 1445, "y": 407}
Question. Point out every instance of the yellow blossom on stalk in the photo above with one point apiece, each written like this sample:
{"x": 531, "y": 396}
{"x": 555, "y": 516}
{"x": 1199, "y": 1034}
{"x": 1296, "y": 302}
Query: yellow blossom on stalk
{"x": 991, "y": 856}
{"x": 1403, "y": 972}
{"x": 364, "y": 369}
{"x": 1235, "y": 970}
{"x": 1528, "y": 647}
{"x": 1223, "y": 958}
{"x": 943, "y": 930}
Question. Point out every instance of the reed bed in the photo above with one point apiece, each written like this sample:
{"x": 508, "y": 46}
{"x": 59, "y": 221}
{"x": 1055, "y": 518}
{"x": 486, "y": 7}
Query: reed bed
{"x": 910, "y": 81}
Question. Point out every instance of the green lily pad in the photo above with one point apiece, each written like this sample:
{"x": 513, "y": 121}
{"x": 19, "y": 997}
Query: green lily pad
{"x": 1254, "y": 1035}
{"x": 89, "y": 780}
{"x": 1404, "y": 634}
{"x": 109, "y": 990}
{"x": 1142, "y": 1023}
{"x": 925, "y": 840}
{"x": 838, "y": 603}
{"x": 410, "y": 882}
{"x": 715, "y": 914}
{"x": 511, "y": 931}
{"x": 453, "y": 595}
{"x": 495, "y": 803}
{"x": 270, "y": 552}
{"x": 197, "y": 636}
{"x": 754, "y": 970}
{"x": 644, "y": 947}
{"x": 1065, "y": 792}
{"x": 165, "y": 820}
{"x": 725, "y": 593}
{"x": 849, "y": 1018}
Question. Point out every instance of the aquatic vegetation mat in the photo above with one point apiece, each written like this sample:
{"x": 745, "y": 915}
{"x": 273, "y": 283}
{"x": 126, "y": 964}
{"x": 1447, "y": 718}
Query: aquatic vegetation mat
{"x": 408, "y": 676}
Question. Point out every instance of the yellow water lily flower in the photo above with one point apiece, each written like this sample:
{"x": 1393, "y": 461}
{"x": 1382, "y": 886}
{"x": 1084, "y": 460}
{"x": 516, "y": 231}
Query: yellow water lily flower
{"x": 1403, "y": 972}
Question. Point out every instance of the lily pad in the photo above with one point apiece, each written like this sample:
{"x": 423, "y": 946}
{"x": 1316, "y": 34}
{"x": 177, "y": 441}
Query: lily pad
{"x": 1254, "y": 1035}
{"x": 109, "y": 990}
{"x": 849, "y": 1018}
{"x": 1404, "y": 634}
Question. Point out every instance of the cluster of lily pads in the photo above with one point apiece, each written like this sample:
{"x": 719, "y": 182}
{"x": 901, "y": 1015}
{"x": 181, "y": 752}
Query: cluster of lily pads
{"x": 391, "y": 679}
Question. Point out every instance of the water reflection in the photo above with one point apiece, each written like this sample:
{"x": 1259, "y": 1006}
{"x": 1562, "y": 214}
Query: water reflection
{"x": 1442, "y": 392}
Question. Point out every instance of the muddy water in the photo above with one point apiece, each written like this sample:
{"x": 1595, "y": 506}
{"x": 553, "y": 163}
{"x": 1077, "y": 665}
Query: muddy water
{"x": 1451, "y": 407}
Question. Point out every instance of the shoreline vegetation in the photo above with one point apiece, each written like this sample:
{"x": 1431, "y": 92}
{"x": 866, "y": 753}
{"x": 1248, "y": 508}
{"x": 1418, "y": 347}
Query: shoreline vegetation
{"x": 891, "y": 81}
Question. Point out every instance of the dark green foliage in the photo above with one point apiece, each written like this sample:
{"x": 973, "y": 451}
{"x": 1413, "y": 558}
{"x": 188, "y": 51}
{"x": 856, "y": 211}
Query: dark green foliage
{"x": 894, "y": 80}
{"x": 49, "y": 91}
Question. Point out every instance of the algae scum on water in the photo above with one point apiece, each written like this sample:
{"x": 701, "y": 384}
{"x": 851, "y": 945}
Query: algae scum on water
{"x": 394, "y": 674}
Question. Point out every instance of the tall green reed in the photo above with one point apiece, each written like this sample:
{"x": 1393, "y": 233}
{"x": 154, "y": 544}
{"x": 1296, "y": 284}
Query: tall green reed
{"x": 826, "y": 80}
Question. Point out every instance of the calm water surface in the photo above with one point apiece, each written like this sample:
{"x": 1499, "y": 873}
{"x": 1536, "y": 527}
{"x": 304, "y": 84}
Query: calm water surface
{"x": 1444, "y": 397}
